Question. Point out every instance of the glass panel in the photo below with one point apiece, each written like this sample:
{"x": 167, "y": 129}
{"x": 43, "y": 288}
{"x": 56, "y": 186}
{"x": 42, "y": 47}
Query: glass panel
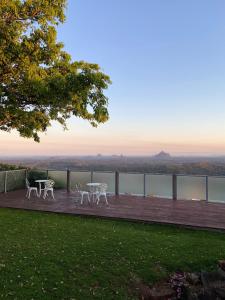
{"x": 60, "y": 178}
{"x": 2, "y": 181}
{"x": 158, "y": 185}
{"x": 104, "y": 177}
{"x": 191, "y": 187}
{"x": 131, "y": 184}
{"x": 15, "y": 180}
{"x": 216, "y": 190}
{"x": 80, "y": 177}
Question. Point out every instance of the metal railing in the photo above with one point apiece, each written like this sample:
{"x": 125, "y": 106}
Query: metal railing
{"x": 173, "y": 186}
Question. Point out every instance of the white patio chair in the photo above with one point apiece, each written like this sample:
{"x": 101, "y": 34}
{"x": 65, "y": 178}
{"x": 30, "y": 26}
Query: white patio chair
{"x": 30, "y": 189}
{"x": 82, "y": 193}
{"x": 102, "y": 193}
{"x": 49, "y": 188}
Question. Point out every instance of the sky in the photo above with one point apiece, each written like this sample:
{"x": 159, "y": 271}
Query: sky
{"x": 166, "y": 60}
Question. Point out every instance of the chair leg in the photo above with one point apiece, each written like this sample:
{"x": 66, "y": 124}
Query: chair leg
{"x": 52, "y": 195}
{"x": 106, "y": 200}
{"x": 81, "y": 201}
{"x": 29, "y": 193}
{"x": 36, "y": 193}
{"x": 88, "y": 198}
{"x": 98, "y": 199}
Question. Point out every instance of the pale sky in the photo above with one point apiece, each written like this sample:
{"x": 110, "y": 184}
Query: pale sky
{"x": 166, "y": 60}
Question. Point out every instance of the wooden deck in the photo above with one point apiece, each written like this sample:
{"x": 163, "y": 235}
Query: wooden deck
{"x": 157, "y": 210}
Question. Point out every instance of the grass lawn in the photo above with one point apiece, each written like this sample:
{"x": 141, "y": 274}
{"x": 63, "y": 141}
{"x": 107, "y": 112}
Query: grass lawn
{"x": 49, "y": 256}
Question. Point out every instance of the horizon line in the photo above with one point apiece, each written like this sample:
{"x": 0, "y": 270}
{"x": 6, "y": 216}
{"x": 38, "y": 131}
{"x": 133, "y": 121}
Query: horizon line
{"x": 117, "y": 155}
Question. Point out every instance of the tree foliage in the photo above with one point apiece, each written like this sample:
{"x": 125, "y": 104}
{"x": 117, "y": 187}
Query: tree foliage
{"x": 38, "y": 81}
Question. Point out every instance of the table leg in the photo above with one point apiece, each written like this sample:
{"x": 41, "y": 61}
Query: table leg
{"x": 39, "y": 189}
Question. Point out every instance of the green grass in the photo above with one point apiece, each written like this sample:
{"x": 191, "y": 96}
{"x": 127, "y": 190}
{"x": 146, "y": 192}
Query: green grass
{"x": 49, "y": 256}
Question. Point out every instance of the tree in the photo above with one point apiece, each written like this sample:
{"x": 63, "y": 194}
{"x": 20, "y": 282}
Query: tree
{"x": 38, "y": 81}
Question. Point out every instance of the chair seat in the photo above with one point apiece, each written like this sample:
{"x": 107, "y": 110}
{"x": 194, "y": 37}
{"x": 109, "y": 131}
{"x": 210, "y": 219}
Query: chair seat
{"x": 47, "y": 189}
{"x": 30, "y": 189}
{"x": 83, "y": 192}
{"x": 33, "y": 188}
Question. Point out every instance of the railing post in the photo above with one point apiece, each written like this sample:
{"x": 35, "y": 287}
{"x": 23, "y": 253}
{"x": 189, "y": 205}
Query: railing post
{"x": 144, "y": 185}
{"x": 68, "y": 181}
{"x": 206, "y": 188}
{"x": 117, "y": 183}
{"x": 174, "y": 187}
{"x": 5, "y": 182}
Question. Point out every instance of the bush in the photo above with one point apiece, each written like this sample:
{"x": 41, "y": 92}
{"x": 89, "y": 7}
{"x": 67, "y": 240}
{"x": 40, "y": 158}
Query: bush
{"x": 35, "y": 175}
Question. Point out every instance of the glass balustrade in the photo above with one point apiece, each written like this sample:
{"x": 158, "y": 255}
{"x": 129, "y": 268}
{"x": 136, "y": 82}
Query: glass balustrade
{"x": 158, "y": 185}
{"x": 132, "y": 184}
{"x": 105, "y": 177}
{"x": 216, "y": 189}
{"x": 191, "y": 187}
{"x": 81, "y": 178}
{"x": 12, "y": 180}
{"x": 154, "y": 185}
{"x": 16, "y": 179}
{"x": 60, "y": 178}
{"x": 2, "y": 181}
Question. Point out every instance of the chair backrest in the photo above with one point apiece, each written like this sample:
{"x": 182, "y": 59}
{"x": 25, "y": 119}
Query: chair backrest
{"x": 103, "y": 188}
{"x": 78, "y": 187}
{"x": 27, "y": 184}
{"x": 49, "y": 184}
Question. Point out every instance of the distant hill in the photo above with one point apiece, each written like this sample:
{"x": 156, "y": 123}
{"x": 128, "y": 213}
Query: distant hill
{"x": 162, "y": 155}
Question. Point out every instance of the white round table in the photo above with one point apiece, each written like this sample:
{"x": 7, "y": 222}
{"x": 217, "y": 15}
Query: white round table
{"x": 40, "y": 181}
{"x": 93, "y": 184}
{"x": 93, "y": 188}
